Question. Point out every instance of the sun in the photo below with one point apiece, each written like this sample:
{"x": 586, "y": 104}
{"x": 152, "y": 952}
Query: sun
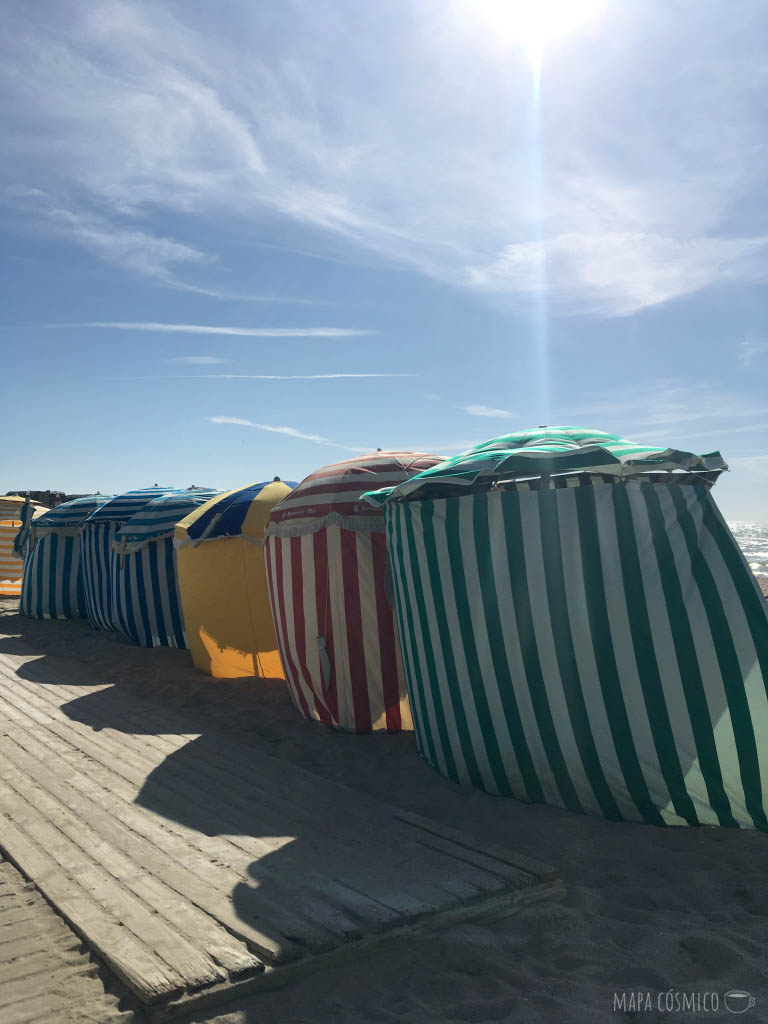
{"x": 532, "y": 24}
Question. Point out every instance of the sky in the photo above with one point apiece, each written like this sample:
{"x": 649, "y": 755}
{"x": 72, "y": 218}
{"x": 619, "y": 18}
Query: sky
{"x": 247, "y": 239}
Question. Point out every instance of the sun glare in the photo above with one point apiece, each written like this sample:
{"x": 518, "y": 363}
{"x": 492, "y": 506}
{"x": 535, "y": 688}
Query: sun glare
{"x": 533, "y": 24}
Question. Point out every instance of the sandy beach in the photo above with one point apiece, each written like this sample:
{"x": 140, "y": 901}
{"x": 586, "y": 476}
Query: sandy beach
{"x": 648, "y": 910}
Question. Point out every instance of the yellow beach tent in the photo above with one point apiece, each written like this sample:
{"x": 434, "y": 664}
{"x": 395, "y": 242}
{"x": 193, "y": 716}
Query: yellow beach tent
{"x": 223, "y": 583}
{"x": 11, "y": 565}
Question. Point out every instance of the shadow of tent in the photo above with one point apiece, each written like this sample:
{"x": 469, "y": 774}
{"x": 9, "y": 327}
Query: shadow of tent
{"x": 289, "y": 853}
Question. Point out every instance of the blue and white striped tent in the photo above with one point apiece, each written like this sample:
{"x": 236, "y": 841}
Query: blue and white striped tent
{"x": 52, "y": 586}
{"x": 98, "y": 532}
{"x": 580, "y": 628}
{"x": 145, "y": 596}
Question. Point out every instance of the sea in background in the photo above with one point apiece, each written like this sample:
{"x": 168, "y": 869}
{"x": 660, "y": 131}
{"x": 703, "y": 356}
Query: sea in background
{"x": 753, "y": 540}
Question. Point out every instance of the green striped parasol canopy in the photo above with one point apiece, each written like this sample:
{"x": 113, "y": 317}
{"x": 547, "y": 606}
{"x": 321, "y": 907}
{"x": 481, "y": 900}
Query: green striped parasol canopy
{"x": 547, "y": 450}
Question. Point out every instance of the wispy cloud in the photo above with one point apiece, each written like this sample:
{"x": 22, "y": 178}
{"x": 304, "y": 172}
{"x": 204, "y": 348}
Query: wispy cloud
{"x": 666, "y": 404}
{"x": 753, "y": 464}
{"x": 198, "y": 360}
{"x": 114, "y": 240}
{"x": 682, "y": 413}
{"x": 452, "y": 447}
{"x": 240, "y": 332}
{"x": 431, "y": 396}
{"x": 489, "y": 411}
{"x": 269, "y": 376}
{"x": 617, "y": 274}
{"x": 751, "y": 347}
{"x": 149, "y": 112}
{"x": 287, "y": 431}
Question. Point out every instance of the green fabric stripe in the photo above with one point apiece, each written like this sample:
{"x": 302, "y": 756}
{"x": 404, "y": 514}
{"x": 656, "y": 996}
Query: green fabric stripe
{"x": 446, "y": 643}
{"x": 418, "y": 706}
{"x": 453, "y": 538}
{"x": 566, "y": 656}
{"x": 685, "y": 648}
{"x": 752, "y": 601}
{"x": 506, "y": 687}
{"x": 518, "y": 576}
{"x": 727, "y": 659}
{"x": 647, "y": 663}
{"x": 391, "y": 517}
{"x": 605, "y": 657}
{"x": 429, "y": 654}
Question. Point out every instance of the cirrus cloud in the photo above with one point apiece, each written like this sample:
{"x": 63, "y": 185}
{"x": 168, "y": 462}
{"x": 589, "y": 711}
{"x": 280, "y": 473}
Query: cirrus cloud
{"x": 286, "y": 431}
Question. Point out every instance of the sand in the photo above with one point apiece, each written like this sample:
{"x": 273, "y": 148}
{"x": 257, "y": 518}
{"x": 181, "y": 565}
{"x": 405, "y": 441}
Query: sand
{"x": 648, "y": 909}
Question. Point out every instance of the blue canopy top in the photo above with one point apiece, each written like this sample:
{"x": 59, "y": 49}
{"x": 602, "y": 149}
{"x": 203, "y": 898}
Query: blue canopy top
{"x": 157, "y": 519}
{"x": 123, "y": 506}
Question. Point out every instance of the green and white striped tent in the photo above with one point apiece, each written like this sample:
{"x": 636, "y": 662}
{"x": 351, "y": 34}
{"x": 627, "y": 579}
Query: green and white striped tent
{"x": 580, "y": 628}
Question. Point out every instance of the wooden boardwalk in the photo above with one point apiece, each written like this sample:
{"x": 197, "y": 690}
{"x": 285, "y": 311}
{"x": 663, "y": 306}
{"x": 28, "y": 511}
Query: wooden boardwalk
{"x": 198, "y": 866}
{"x": 45, "y": 974}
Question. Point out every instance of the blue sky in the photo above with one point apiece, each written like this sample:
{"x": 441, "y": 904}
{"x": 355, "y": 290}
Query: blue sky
{"x": 246, "y": 239}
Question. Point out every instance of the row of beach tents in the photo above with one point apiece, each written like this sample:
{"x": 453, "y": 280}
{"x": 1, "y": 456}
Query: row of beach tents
{"x": 560, "y": 615}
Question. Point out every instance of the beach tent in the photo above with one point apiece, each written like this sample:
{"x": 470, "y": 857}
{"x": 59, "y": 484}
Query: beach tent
{"x": 223, "y": 585}
{"x": 581, "y": 629}
{"x": 146, "y": 607}
{"x": 52, "y": 587}
{"x": 98, "y": 532}
{"x": 327, "y": 575}
{"x": 11, "y": 561}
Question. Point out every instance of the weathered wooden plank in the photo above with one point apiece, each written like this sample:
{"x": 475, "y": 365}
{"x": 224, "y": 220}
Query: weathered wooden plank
{"x": 47, "y": 976}
{"x": 145, "y": 973}
{"x": 280, "y": 784}
{"x": 464, "y": 884}
{"x": 405, "y": 878}
{"x": 284, "y": 912}
{"x": 188, "y": 922}
{"x": 269, "y": 773}
{"x": 185, "y": 825}
{"x": 80, "y": 852}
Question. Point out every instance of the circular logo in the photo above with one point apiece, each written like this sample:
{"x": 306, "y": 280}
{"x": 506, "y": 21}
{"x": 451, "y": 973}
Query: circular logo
{"x": 738, "y": 1001}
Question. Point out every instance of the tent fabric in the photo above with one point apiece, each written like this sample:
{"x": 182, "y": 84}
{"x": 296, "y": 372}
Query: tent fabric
{"x": 327, "y": 575}
{"x": 239, "y": 513}
{"x": 332, "y": 494}
{"x": 98, "y": 534}
{"x": 550, "y": 450}
{"x": 52, "y": 587}
{"x": 223, "y": 586}
{"x": 11, "y": 521}
{"x": 600, "y": 647}
{"x": 157, "y": 520}
{"x": 146, "y": 605}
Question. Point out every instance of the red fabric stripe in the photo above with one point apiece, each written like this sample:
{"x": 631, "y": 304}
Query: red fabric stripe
{"x": 280, "y": 515}
{"x": 387, "y": 639}
{"x": 276, "y": 544}
{"x": 324, "y": 621}
{"x": 354, "y": 483}
{"x": 355, "y": 638}
{"x": 299, "y": 628}
{"x": 354, "y": 476}
{"x": 373, "y": 461}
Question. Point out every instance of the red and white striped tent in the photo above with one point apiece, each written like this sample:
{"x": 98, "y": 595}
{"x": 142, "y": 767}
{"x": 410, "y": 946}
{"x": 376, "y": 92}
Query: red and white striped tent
{"x": 326, "y": 560}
